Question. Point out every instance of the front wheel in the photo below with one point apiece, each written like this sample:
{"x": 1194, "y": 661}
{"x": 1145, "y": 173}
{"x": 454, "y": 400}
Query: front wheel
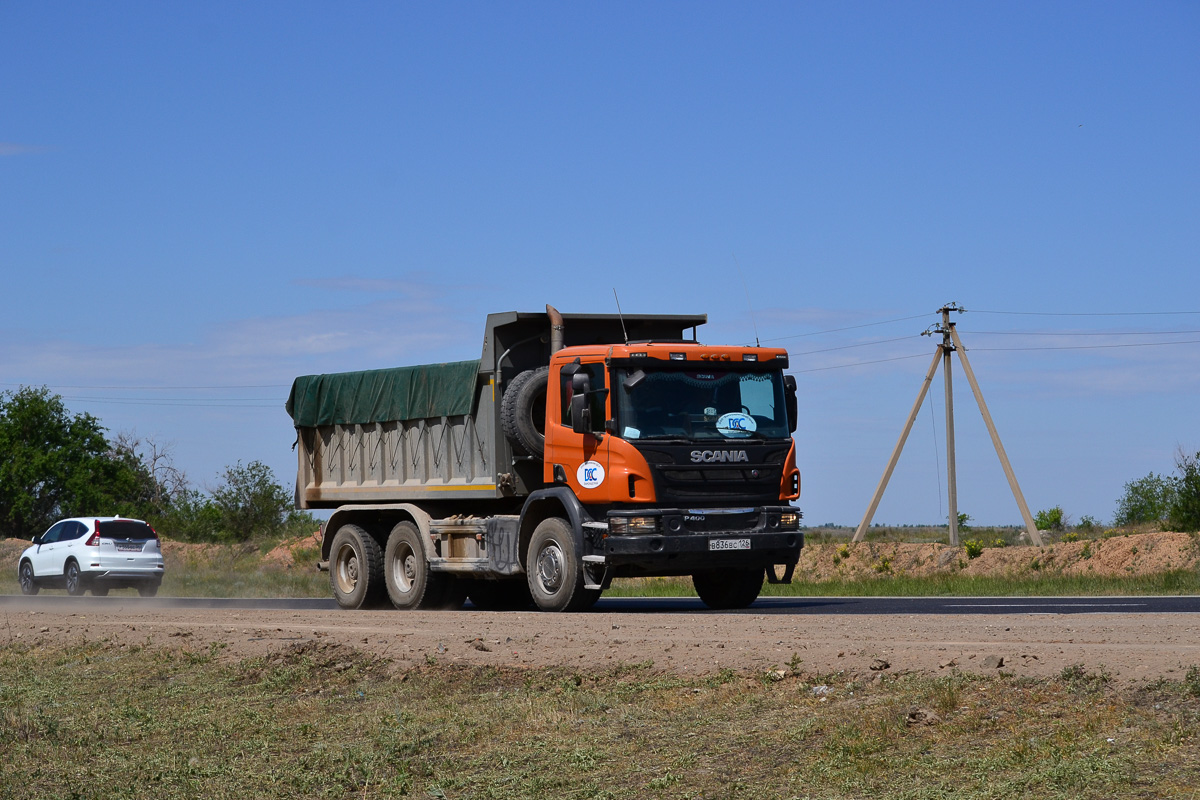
{"x": 729, "y": 588}
{"x": 410, "y": 582}
{"x": 74, "y": 579}
{"x": 355, "y": 568}
{"x": 555, "y": 571}
{"x": 25, "y": 578}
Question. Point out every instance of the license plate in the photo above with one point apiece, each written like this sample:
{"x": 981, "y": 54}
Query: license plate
{"x": 129, "y": 548}
{"x": 728, "y": 544}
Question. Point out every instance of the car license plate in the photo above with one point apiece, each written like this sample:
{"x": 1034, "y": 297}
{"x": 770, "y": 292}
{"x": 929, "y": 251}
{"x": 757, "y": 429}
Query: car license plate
{"x": 129, "y": 547}
{"x": 728, "y": 544}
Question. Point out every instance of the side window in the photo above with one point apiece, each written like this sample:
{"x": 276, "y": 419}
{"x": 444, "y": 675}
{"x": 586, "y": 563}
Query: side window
{"x": 74, "y": 530}
{"x": 55, "y": 534}
{"x": 597, "y": 374}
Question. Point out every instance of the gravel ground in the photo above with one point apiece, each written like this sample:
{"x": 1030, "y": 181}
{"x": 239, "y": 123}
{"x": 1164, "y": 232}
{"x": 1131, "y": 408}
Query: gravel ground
{"x": 1131, "y": 648}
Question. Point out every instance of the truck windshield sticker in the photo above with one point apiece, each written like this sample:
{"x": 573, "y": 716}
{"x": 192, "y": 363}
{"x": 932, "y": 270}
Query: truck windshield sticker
{"x": 590, "y": 474}
{"x": 736, "y": 425}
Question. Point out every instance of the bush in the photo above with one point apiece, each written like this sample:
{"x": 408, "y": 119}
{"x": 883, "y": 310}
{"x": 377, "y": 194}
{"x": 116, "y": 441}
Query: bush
{"x": 1147, "y": 499}
{"x": 1051, "y": 519}
{"x": 1088, "y": 524}
{"x": 1184, "y": 512}
{"x": 974, "y": 548}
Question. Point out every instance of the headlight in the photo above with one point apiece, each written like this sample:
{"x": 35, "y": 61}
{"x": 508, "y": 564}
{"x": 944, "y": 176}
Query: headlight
{"x": 789, "y": 520}
{"x": 623, "y": 526}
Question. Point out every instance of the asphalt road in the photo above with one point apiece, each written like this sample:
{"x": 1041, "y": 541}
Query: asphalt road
{"x": 691, "y": 605}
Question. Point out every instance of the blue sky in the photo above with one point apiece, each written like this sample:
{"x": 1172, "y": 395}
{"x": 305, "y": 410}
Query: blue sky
{"x": 200, "y": 201}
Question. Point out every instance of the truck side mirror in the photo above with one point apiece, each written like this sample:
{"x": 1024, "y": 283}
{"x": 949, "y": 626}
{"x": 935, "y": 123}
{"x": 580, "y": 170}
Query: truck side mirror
{"x": 789, "y": 393}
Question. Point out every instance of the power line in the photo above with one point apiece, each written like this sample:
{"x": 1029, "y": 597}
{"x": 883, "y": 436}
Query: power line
{"x": 1087, "y": 313}
{"x": 163, "y": 388}
{"x": 1086, "y": 346}
{"x": 860, "y": 363}
{"x": 1081, "y": 333}
{"x": 860, "y": 344}
{"x": 849, "y": 328}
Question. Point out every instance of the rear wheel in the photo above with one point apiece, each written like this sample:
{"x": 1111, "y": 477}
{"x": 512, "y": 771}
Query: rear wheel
{"x": 729, "y": 588}
{"x": 410, "y": 582}
{"x": 144, "y": 590}
{"x": 25, "y": 578}
{"x": 74, "y": 579}
{"x": 355, "y": 568}
{"x": 554, "y": 570}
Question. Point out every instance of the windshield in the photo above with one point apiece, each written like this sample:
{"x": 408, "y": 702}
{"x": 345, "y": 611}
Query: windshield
{"x": 715, "y": 404}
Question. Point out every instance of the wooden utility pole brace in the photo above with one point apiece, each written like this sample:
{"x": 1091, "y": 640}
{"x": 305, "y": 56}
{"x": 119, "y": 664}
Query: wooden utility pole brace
{"x": 950, "y": 343}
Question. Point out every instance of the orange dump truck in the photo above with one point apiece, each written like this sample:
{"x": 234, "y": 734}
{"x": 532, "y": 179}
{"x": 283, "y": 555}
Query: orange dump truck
{"x": 578, "y": 449}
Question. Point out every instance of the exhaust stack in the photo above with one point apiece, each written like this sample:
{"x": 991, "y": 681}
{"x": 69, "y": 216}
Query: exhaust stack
{"x": 556, "y": 329}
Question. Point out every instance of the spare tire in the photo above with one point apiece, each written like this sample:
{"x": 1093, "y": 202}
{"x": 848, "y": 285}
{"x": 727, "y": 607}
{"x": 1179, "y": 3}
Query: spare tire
{"x": 523, "y": 411}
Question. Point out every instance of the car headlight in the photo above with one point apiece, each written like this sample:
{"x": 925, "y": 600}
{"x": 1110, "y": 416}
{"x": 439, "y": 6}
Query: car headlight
{"x": 789, "y": 520}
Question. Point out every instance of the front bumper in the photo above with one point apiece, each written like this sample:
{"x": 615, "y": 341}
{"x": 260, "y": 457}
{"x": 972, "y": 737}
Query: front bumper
{"x": 688, "y": 540}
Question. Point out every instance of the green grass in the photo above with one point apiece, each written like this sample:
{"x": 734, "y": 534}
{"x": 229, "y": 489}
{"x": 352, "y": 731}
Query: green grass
{"x": 1180, "y": 582}
{"x": 327, "y": 721}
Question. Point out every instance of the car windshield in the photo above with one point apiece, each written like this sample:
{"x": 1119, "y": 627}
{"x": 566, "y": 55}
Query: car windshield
{"x": 713, "y": 404}
{"x": 124, "y": 529}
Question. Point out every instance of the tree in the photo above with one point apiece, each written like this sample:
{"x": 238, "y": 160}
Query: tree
{"x": 54, "y": 464}
{"x": 1051, "y": 519}
{"x": 1147, "y": 499}
{"x": 1184, "y": 512}
{"x": 251, "y": 501}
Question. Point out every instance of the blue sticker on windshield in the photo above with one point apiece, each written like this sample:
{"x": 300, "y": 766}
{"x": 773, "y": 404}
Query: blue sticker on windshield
{"x": 736, "y": 425}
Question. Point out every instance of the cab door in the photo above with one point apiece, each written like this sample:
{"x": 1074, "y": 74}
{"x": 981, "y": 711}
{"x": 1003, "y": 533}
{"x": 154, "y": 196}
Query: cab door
{"x": 579, "y": 459}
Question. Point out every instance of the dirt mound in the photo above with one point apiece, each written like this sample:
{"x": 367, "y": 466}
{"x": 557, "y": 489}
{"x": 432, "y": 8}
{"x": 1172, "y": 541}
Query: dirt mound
{"x": 1133, "y": 554}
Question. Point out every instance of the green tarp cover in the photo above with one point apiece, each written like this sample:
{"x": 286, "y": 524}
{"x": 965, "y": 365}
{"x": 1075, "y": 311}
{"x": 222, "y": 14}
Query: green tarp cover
{"x": 384, "y": 395}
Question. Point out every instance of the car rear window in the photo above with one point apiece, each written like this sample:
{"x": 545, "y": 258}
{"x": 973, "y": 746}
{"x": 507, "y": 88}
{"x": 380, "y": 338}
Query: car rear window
{"x": 126, "y": 529}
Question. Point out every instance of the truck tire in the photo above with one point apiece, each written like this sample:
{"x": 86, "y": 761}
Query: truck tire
{"x": 410, "y": 583}
{"x": 355, "y": 568}
{"x": 554, "y": 570}
{"x": 523, "y": 411}
{"x": 510, "y": 595}
{"x": 729, "y": 588}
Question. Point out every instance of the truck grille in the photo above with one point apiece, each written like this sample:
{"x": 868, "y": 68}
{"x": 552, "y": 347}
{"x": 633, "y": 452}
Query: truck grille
{"x": 754, "y": 482}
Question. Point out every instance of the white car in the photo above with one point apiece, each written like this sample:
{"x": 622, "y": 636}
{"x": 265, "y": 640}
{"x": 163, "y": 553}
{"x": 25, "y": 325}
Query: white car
{"x": 96, "y": 553}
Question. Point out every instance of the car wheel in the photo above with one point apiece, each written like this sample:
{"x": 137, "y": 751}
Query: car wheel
{"x": 554, "y": 570}
{"x": 145, "y": 590}
{"x": 25, "y": 578}
{"x": 74, "y": 579}
{"x": 729, "y": 588}
{"x": 356, "y": 568}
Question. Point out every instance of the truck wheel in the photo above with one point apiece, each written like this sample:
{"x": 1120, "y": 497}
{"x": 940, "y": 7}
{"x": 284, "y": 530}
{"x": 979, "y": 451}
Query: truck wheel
{"x": 355, "y": 568}
{"x": 74, "y": 579}
{"x": 729, "y": 588}
{"x": 523, "y": 411}
{"x": 410, "y": 584}
{"x": 554, "y": 570}
{"x": 25, "y": 578}
{"x": 500, "y": 595}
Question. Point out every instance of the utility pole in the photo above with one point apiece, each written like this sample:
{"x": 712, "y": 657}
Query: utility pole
{"x": 950, "y": 344}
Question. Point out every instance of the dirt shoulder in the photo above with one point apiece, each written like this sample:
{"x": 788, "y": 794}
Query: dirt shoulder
{"x": 1129, "y": 647}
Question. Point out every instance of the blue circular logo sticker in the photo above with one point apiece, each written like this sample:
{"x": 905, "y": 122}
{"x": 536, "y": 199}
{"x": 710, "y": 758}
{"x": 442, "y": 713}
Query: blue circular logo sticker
{"x": 736, "y": 425}
{"x": 590, "y": 474}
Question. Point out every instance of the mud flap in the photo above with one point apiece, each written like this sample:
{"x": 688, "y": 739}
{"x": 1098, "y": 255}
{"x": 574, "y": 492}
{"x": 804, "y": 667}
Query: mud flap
{"x": 788, "y": 569}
